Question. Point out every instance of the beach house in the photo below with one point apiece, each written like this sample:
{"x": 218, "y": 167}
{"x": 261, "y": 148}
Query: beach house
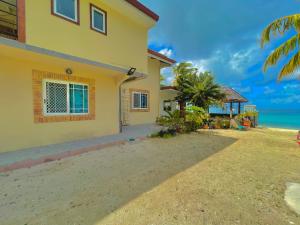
{"x": 75, "y": 69}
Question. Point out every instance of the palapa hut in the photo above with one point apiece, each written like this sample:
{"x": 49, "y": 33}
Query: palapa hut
{"x": 232, "y": 104}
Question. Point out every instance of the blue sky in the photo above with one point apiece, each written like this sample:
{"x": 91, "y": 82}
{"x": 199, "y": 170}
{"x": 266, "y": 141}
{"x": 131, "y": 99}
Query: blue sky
{"x": 223, "y": 37}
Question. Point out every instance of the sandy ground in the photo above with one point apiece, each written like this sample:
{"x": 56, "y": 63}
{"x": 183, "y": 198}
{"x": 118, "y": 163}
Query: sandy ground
{"x": 221, "y": 178}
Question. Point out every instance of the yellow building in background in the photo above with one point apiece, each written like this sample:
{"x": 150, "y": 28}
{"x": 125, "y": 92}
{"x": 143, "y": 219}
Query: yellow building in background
{"x": 63, "y": 64}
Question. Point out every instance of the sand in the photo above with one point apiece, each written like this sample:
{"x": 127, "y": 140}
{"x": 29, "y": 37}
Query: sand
{"x": 221, "y": 177}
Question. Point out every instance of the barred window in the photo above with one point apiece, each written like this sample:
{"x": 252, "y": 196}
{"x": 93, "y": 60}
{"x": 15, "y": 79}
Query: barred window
{"x": 65, "y": 98}
{"x": 139, "y": 100}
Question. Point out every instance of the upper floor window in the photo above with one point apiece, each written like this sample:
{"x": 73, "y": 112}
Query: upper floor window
{"x": 98, "y": 19}
{"x": 67, "y": 9}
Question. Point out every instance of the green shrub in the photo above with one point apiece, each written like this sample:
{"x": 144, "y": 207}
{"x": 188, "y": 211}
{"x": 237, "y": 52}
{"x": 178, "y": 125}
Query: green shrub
{"x": 225, "y": 124}
{"x": 164, "y": 134}
{"x": 172, "y": 121}
{"x": 195, "y": 118}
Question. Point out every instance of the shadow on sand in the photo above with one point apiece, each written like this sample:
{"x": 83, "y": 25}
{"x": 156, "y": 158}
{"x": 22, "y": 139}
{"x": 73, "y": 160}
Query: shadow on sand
{"x": 99, "y": 183}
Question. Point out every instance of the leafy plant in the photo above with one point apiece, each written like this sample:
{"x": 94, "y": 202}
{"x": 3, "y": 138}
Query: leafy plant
{"x": 200, "y": 89}
{"x": 225, "y": 123}
{"x": 280, "y": 27}
{"x": 172, "y": 121}
{"x": 195, "y": 118}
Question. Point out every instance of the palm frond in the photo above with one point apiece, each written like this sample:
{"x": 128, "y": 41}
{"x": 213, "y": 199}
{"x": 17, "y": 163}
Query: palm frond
{"x": 290, "y": 67}
{"x": 280, "y": 26}
{"x": 283, "y": 50}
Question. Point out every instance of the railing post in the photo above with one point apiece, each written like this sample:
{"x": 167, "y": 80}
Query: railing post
{"x": 21, "y": 20}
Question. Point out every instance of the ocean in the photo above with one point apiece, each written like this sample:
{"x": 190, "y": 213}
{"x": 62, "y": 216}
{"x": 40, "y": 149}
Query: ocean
{"x": 280, "y": 119}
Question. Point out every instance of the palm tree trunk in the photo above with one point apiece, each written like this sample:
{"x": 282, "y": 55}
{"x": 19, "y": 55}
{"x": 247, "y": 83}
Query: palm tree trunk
{"x": 182, "y": 109}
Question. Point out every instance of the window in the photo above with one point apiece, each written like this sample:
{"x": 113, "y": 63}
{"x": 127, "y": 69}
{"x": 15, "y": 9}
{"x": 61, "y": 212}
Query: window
{"x": 65, "y": 98}
{"x": 98, "y": 19}
{"x": 67, "y": 9}
{"x": 167, "y": 106}
{"x": 139, "y": 100}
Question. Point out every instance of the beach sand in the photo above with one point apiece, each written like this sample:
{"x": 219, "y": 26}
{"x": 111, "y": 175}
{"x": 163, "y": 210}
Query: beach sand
{"x": 220, "y": 177}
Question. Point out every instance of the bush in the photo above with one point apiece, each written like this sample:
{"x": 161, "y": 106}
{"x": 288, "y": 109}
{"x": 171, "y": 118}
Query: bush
{"x": 164, "y": 134}
{"x": 225, "y": 124}
{"x": 195, "y": 118}
{"x": 173, "y": 123}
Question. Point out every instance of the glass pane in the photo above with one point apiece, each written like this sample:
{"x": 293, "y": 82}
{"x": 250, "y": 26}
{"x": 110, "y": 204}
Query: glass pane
{"x": 78, "y": 98}
{"x": 66, "y": 8}
{"x": 98, "y": 19}
{"x": 56, "y": 95}
{"x": 144, "y": 99}
{"x": 136, "y": 100}
{"x": 86, "y": 101}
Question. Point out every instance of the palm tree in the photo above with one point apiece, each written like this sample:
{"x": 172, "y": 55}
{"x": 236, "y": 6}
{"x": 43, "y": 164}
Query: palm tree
{"x": 183, "y": 73}
{"x": 205, "y": 92}
{"x": 280, "y": 27}
{"x": 197, "y": 88}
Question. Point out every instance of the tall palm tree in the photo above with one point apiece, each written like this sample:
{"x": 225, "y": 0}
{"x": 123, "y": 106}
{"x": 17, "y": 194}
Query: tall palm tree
{"x": 183, "y": 73}
{"x": 197, "y": 88}
{"x": 280, "y": 27}
{"x": 205, "y": 92}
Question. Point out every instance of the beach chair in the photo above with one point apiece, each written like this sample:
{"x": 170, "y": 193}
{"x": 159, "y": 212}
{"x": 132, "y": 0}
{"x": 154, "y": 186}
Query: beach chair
{"x": 235, "y": 125}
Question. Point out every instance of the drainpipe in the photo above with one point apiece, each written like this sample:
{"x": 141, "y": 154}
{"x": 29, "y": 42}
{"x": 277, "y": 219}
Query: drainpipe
{"x": 129, "y": 77}
{"x": 120, "y": 108}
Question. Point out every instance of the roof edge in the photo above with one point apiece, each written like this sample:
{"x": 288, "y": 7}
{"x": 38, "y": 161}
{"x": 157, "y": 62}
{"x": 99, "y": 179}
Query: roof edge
{"x": 168, "y": 88}
{"x": 143, "y": 9}
{"x": 161, "y": 57}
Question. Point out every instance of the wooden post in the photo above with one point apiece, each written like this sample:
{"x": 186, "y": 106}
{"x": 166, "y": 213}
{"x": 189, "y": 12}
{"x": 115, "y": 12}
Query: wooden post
{"x": 239, "y": 108}
{"x": 231, "y": 110}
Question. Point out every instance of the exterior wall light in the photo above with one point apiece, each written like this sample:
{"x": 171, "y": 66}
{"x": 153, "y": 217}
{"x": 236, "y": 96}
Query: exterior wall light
{"x": 131, "y": 71}
{"x": 69, "y": 71}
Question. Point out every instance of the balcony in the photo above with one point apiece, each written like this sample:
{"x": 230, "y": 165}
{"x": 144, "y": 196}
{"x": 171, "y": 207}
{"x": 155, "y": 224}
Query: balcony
{"x": 8, "y": 19}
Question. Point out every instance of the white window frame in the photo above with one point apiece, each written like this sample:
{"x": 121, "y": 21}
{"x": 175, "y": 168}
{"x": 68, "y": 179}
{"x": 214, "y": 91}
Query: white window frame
{"x": 104, "y": 19}
{"x": 68, "y": 98}
{"x": 140, "y": 93}
{"x": 64, "y": 16}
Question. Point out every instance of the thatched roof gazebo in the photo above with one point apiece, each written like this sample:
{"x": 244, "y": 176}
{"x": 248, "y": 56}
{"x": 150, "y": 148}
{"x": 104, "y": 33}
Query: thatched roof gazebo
{"x": 232, "y": 97}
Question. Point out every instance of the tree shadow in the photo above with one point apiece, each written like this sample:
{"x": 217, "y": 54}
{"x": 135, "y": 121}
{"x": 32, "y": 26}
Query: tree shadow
{"x": 151, "y": 168}
{"x": 110, "y": 178}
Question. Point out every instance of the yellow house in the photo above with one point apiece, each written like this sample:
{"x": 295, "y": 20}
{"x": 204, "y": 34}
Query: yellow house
{"x": 141, "y": 97}
{"x": 63, "y": 64}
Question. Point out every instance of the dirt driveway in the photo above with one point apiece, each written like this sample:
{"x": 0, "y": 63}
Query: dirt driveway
{"x": 224, "y": 178}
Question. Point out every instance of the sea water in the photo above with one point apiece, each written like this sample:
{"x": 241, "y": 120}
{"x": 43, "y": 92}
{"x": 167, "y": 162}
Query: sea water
{"x": 280, "y": 119}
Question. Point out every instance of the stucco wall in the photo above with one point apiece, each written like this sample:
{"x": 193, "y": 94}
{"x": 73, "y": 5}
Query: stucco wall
{"x": 150, "y": 84}
{"x": 18, "y": 129}
{"x": 125, "y": 44}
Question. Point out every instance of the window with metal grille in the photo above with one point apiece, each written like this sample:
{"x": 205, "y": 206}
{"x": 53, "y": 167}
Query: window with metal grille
{"x": 65, "y": 98}
{"x": 139, "y": 100}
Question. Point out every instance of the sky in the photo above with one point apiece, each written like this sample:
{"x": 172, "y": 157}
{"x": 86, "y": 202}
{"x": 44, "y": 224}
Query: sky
{"x": 224, "y": 37}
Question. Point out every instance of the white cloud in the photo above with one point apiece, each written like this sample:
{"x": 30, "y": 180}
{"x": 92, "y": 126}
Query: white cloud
{"x": 229, "y": 65}
{"x": 268, "y": 90}
{"x": 295, "y": 99}
{"x": 167, "y": 52}
{"x": 241, "y": 60}
{"x": 291, "y": 86}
